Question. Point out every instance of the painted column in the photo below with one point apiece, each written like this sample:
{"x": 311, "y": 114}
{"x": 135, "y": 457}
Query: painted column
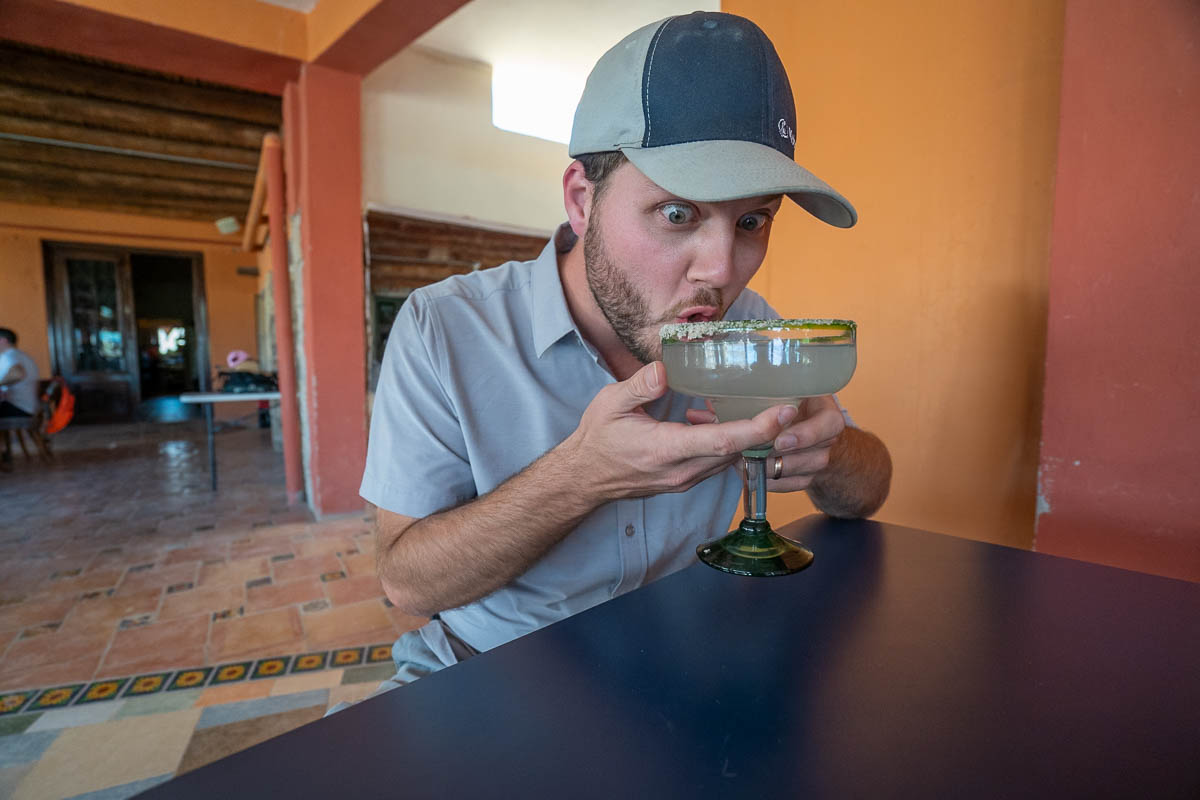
{"x": 1120, "y": 455}
{"x": 333, "y": 341}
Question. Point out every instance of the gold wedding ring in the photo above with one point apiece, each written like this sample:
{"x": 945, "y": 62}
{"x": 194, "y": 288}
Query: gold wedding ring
{"x": 778, "y": 468}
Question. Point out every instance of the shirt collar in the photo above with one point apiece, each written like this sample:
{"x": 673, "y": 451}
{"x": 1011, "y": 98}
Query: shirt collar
{"x": 551, "y": 318}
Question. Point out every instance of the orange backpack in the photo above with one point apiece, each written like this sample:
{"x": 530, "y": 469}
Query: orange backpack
{"x": 61, "y": 402}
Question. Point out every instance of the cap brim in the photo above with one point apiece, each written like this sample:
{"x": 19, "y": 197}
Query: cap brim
{"x": 715, "y": 171}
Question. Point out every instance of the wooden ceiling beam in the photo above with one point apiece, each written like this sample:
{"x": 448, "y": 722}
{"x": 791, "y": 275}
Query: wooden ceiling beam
{"x": 148, "y": 186}
{"x": 30, "y": 68}
{"x": 116, "y": 116}
{"x": 63, "y": 131}
{"x": 17, "y": 191}
{"x": 81, "y": 159}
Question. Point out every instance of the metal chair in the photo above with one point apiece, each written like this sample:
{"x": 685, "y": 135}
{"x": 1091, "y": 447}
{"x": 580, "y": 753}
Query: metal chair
{"x": 33, "y": 426}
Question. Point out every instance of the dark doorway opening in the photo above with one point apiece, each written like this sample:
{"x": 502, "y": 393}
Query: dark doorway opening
{"x": 166, "y": 334}
{"x": 128, "y": 329}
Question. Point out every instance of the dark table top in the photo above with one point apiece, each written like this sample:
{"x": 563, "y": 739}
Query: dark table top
{"x": 900, "y": 664}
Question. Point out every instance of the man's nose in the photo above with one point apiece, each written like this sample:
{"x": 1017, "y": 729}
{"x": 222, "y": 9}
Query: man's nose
{"x": 713, "y": 260}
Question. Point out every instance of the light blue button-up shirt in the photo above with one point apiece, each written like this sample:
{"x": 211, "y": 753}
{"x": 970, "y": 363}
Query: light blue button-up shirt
{"x": 484, "y": 373}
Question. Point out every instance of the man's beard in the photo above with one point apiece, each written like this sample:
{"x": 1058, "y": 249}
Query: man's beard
{"x": 621, "y": 303}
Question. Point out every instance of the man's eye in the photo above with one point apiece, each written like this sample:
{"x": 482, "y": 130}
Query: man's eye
{"x": 677, "y": 213}
{"x": 752, "y": 222}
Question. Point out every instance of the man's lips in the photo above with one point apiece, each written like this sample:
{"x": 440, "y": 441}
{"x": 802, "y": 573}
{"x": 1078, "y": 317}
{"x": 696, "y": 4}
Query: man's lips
{"x": 698, "y": 314}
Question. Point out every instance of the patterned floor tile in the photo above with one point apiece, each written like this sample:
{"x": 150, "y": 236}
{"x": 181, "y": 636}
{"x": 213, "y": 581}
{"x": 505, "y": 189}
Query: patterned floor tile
{"x": 292, "y": 684}
{"x": 217, "y": 742}
{"x": 234, "y": 693}
{"x": 25, "y": 748}
{"x": 10, "y": 777}
{"x": 280, "y": 629}
{"x": 236, "y": 712}
{"x": 13, "y": 702}
{"x": 379, "y": 653}
{"x": 351, "y": 693}
{"x": 142, "y": 685}
{"x": 308, "y": 662}
{"x": 190, "y": 679}
{"x": 75, "y": 716}
{"x": 310, "y": 567}
{"x": 99, "y": 691}
{"x": 373, "y": 673}
{"x": 110, "y": 754}
{"x": 92, "y": 554}
{"x": 125, "y": 790}
{"x": 56, "y": 697}
{"x": 230, "y": 673}
{"x": 270, "y": 668}
{"x": 18, "y": 723}
{"x": 159, "y": 703}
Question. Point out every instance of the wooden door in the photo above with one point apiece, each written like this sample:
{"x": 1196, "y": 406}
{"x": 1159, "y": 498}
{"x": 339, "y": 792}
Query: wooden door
{"x": 93, "y": 334}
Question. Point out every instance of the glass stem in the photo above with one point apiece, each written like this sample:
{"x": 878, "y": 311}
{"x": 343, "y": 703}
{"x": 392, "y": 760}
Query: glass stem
{"x": 754, "y": 473}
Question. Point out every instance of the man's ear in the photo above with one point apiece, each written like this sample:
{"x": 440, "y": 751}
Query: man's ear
{"x": 577, "y": 198}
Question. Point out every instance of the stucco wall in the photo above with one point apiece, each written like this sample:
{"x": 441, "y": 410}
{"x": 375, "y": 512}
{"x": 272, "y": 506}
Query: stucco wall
{"x": 938, "y": 120}
{"x": 429, "y": 144}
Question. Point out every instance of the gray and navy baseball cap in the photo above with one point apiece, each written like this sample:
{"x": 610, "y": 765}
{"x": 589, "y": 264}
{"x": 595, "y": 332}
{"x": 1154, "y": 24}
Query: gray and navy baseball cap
{"x": 702, "y": 106}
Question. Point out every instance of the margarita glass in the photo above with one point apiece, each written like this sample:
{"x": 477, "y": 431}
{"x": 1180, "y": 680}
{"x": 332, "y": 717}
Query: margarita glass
{"x": 743, "y": 367}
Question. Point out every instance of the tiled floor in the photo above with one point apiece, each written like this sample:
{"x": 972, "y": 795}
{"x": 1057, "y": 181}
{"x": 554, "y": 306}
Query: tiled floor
{"x": 115, "y": 748}
{"x": 117, "y": 561}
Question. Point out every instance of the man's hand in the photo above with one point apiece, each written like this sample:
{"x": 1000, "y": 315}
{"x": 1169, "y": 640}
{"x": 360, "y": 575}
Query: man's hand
{"x": 847, "y": 472}
{"x": 806, "y": 445}
{"x": 618, "y": 450}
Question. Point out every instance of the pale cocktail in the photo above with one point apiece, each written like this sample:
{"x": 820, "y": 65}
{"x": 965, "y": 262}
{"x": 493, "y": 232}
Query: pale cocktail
{"x": 743, "y": 368}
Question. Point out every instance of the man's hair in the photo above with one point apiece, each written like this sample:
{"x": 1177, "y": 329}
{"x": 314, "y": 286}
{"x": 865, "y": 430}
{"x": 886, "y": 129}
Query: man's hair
{"x": 8, "y": 333}
{"x": 599, "y": 167}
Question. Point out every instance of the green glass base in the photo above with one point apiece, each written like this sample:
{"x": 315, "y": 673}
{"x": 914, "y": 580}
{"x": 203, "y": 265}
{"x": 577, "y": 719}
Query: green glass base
{"x": 756, "y": 551}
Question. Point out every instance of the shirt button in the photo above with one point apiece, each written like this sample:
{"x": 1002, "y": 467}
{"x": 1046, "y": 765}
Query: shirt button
{"x": 629, "y": 530}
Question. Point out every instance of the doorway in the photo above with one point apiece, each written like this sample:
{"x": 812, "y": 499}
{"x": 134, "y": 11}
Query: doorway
{"x": 128, "y": 329}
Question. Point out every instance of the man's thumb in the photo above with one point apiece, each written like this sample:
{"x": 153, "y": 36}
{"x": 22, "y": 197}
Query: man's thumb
{"x": 648, "y": 383}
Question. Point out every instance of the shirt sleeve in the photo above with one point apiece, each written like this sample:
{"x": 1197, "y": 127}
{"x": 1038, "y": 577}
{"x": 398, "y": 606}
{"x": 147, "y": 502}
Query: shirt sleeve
{"x": 416, "y": 453}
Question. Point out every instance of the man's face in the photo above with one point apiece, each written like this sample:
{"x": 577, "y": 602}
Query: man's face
{"x": 653, "y": 258}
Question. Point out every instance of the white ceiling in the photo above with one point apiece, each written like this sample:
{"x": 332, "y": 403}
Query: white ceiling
{"x": 541, "y": 51}
{"x": 571, "y": 34}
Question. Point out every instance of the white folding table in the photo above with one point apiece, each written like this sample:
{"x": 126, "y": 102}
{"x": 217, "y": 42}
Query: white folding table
{"x": 207, "y": 399}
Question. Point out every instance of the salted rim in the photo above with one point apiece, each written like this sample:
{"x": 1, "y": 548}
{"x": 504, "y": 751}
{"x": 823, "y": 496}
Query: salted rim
{"x": 677, "y": 331}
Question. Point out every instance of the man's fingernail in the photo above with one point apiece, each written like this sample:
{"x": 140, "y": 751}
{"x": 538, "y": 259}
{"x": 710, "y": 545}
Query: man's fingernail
{"x": 787, "y": 414}
{"x": 785, "y": 442}
{"x": 652, "y": 378}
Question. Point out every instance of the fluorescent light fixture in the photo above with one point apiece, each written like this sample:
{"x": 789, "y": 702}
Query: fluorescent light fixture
{"x": 535, "y": 99}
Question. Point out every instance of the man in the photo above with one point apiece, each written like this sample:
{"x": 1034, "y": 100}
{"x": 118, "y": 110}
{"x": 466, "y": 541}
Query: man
{"x": 18, "y": 385}
{"x": 526, "y": 457}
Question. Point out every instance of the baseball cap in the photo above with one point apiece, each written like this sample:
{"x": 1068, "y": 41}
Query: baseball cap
{"x": 702, "y": 106}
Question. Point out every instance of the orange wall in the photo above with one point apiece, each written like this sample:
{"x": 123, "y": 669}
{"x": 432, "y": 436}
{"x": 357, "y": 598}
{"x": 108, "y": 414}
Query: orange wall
{"x": 1121, "y": 452}
{"x": 938, "y": 120}
{"x": 23, "y": 299}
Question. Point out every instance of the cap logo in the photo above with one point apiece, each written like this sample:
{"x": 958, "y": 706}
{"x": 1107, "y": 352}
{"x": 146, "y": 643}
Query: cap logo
{"x": 786, "y": 131}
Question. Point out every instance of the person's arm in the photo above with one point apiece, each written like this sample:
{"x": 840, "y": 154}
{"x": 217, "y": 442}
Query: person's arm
{"x": 847, "y": 472}
{"x": 15, "y": 374}
{"x": 857, "y": 478}
{"x": 459, "y": 555}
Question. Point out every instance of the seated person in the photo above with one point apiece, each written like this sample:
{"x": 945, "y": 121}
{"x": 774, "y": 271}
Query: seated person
{"x": 525, "y": 454}
{"x": 18, "y": 384}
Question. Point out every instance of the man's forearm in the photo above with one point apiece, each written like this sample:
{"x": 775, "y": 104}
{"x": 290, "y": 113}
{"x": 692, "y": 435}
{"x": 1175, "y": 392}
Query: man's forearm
{"x": 857, "y": 479}
{"x": 457, "y": 556}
